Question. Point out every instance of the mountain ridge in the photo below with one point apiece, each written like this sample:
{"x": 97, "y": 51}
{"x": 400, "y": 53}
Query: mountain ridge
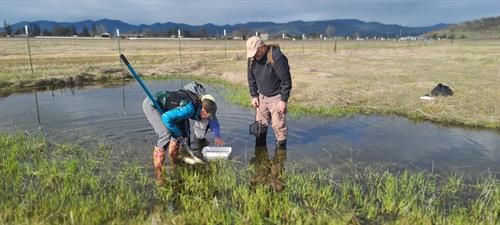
{"x": 341, "y": 27}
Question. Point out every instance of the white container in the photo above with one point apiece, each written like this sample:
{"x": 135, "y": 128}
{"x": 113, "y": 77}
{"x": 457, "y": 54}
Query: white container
{"x": 428, "y": 98}
{"x": 211, "y": 152}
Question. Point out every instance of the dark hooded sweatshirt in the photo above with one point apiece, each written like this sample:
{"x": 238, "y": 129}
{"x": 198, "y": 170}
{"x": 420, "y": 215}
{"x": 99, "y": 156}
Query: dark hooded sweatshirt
{"x": 270, "y": 80}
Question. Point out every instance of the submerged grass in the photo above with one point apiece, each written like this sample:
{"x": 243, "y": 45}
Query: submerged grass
{"x": 66, "y": 184}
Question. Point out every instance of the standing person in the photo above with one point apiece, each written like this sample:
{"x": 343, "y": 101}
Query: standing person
{"x": 178, "y": 107}
{"x": 270, "y": 84}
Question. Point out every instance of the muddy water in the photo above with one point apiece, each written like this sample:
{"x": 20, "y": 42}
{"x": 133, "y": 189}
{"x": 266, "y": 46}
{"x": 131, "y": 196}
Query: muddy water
{"x": 113, "y": 116}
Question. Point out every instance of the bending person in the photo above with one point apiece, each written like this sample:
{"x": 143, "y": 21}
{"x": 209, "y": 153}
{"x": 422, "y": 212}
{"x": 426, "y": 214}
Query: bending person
{"x": 179, "y": 106}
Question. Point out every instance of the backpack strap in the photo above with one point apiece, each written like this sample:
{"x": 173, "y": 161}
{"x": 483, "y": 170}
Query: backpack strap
{"x": 270, "y": 53}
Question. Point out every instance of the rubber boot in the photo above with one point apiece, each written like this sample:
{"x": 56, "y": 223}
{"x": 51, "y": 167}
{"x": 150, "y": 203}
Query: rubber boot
{"x": 158, "y": 157}
{"x": 159, "y": 176}
{"x": 173, "y": 149}
{"x": 281, "y": 144}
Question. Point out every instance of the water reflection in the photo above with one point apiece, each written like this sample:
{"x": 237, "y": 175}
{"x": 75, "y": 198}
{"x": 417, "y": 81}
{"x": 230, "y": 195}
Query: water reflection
{"x": 174, "y": 161}
{"x": 38, "y": 111}
{"x": 113, "y": 116}
{"x": 123, "y": 98}
{"x": 268, "y": 172}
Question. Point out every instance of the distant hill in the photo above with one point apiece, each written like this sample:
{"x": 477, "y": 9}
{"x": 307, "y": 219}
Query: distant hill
{"x": 482, "y": 28}
{"x": 338, "y": 27}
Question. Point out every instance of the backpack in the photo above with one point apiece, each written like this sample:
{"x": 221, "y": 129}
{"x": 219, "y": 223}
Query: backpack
{"x": 196, "y": 88}
{"x": 441, "y": 90}
{"x": 192, "y": 92}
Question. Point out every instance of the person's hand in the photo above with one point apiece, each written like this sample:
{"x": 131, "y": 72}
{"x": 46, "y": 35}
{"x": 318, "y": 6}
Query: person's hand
{"x": 219, "y": 141}
{"x": 255, "y": 102}
{"x": 281, "y": 107}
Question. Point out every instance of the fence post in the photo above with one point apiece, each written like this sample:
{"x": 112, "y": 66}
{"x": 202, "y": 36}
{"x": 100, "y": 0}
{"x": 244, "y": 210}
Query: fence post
{"x": 320, "y": 37}
{"x": 118, "y": 40}
{"x": 225, "y": 46}
{"x": 303, "y": 39}
{"x": 33, "y": 75}
{"x": 180, "y": 48}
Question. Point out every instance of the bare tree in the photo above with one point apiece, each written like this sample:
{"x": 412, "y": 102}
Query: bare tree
{"x": 101, "y": 29}
{"x": 330, "y": 31}
{"x": 244, "y": 33}
{"x": 7, "y": 28}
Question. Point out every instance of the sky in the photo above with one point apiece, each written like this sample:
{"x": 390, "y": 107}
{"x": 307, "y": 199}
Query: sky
{"x": 221, "y": 12}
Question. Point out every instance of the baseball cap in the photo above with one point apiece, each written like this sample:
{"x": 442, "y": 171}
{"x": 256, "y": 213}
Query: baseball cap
{"x": 253, "y": 44}
{"x": 208, "y": 103}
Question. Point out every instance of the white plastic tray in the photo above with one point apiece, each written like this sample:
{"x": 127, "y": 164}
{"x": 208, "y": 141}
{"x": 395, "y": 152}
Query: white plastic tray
{"x": 211, "y": 152}
{"x": 428, "y": 98}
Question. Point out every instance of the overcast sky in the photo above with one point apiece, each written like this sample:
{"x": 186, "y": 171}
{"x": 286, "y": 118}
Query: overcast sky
{"x": 220, "y": 12}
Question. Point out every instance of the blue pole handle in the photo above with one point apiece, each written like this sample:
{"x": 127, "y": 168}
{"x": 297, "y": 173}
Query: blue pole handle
{"x": 144, "y": 87}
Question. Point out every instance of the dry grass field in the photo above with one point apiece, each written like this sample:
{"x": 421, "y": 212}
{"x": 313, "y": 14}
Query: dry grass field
{"x": 386, "y": 77}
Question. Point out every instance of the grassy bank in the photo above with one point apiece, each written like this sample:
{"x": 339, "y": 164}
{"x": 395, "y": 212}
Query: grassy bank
{"x": 372, "y": 77}
{"x": 65, "y": 184}
{"x": 238, "y": 94}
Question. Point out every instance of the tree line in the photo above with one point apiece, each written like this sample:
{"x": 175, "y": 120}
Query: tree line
{"x": 94, "y": 30}
{"x": 98, "y": 29}
{"x": 57, "y": 30}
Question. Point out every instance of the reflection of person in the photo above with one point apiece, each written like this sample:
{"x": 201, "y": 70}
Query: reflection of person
{"x": 179, "y": 107}
{"x": 269, "y": 172}
{"x": 270, "y": 84}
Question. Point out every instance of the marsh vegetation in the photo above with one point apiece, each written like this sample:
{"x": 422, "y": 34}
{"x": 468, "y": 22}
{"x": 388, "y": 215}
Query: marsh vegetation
{"x": 43, "y": 183}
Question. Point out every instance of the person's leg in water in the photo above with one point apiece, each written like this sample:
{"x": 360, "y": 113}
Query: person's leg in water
{"x": 263, "y": 115}
{"x": 163, "y": 141}
{"x": 164, "y": 136}
{"x": 278, "y": 120}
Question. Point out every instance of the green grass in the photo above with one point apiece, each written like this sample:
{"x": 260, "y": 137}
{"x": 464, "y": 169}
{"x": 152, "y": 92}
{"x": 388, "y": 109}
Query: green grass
{"x": 66, "y": 184}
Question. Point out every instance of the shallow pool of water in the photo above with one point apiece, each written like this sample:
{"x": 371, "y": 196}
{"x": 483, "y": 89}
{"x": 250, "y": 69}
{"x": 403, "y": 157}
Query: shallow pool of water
{"x": 113, "y": 116}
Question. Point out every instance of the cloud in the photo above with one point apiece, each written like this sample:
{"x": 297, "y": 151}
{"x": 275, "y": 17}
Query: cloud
{"x": 196, "y": 12}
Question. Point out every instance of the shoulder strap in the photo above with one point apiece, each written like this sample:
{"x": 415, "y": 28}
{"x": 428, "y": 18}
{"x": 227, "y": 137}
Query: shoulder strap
{"x": 270, "y": 55}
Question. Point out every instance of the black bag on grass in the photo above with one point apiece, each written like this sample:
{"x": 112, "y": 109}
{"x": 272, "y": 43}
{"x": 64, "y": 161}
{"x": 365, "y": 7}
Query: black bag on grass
{"x": 441, "y": 90}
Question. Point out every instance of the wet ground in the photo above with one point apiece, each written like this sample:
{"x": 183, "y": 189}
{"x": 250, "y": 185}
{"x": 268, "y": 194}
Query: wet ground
{"x": 113, "y": 116}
